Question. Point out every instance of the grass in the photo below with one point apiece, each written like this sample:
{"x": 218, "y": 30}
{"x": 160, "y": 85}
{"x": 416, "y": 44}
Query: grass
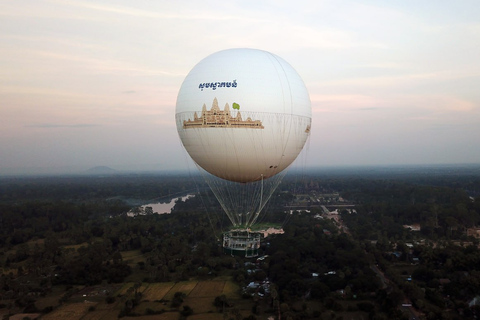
{"x": 51, "y": 300}
{"x": 156, "y": 306}
{"x": 76, "y": 246}
{"x": 208, "y": 289}
{"x": 109, "y": 314}
{"x": 184, "y": 286}
{"x": 105, "y": 311}
{"x": 21, "y": 316}
{"x": 231, "y": 290}
{"x": 200, "y": 305}
{"x": 200, "y": 296}
{"x": 127, "y": 285}
{"x": 266, "y": 225}
{"x": 71, "y": 311}
{"x": 133, "y": 257}
{"x": 206, "y": 316}
{"x": 157, "y": 291}
{"x": 164, "y": 316}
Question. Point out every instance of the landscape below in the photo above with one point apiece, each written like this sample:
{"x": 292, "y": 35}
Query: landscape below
{"x": 398, "y": 243}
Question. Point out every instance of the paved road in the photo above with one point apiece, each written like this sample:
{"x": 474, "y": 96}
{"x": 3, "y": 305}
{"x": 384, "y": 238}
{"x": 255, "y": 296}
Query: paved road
{"x": 407, "y": 307}
{"x": 380, "y": 275}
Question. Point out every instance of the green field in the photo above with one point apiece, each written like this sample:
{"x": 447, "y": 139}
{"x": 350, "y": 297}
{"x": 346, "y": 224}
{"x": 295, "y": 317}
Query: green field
{"x": 157, "y": 291}
{"x": 89, "y": 303}
{"x": 133, "y": 257}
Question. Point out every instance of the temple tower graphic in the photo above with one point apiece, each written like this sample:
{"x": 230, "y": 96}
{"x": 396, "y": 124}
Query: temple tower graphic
{"x": 215, "y": 117}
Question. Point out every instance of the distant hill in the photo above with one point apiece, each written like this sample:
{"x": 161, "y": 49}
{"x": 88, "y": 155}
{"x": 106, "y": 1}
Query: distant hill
{"x": 101, "y": 170}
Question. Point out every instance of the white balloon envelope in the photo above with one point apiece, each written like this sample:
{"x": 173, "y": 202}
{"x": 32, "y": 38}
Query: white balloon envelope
{"x": 243, "y": 114}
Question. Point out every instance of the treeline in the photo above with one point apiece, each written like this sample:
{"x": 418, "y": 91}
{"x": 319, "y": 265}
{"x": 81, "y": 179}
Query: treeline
{"x": 385, "y": 206}
{"x": 24, "y": 221}
{"x": 87, "y": 188}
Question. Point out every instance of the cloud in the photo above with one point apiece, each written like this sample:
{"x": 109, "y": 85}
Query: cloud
{"x": 167, "y": 13}
{"x": 411, "y": 79}
{"x": 368, "y": 109}
{"x": 106, "y": 66}
{"x": 344, "y": 102}
{"x": 52, "y": 125}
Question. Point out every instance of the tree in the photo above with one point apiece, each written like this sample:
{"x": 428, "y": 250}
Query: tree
{"x": 186, "y": 311}
{"x": 177, "y": 299}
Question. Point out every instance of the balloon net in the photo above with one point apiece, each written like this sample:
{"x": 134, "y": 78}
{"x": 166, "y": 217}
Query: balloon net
{"x": 242, "y": 202}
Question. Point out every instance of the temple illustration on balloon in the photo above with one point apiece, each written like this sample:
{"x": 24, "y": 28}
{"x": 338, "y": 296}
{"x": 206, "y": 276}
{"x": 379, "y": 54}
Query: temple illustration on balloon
{"x": 215, "y": 117}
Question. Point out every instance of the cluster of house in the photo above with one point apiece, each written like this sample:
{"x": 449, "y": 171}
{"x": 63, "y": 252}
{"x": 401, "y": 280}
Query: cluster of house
{"x": 413, "y": 227}
{"x": 473, "y": 232}
{"x": 256, "y": 288}
{"x": 470, "y": 232}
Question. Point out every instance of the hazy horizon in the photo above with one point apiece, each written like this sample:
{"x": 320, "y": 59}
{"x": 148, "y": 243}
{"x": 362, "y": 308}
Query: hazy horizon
{"x": 157, "y": 169}
{"x": 92, "y": 83}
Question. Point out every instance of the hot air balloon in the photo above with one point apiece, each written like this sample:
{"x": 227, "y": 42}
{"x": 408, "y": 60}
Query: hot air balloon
{"x": 243, "y": 116}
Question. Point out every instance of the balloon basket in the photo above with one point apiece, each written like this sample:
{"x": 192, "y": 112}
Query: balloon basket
{"x": 241, "y": 243}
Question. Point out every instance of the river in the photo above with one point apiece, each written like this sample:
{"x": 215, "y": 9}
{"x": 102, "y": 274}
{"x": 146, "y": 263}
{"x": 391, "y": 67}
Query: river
{"x": 157, "y": 207}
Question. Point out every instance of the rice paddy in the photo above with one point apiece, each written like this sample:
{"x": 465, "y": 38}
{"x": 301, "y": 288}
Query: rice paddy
{"x": 155, "y": 301}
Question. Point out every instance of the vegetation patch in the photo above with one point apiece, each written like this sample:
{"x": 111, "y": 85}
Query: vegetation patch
{"x": 151, "y": 308}
{"x": 184, "y": 287}
{"x": 207, "y": 289}
{"x": 50, "y": 300}
{"x": 157, "y": 291}
{"x": 75, "y": 247}
{"x": 163, "y": 316}
{"x": 106, "y": 314}
{"x": 231, "y": 290}
{"x": 71, "y": 311}
{"x": 129, "y": 287}
{"x": 133, "y": 257}
{"x": 207, "y": 316}
{"x": 200, "y": 304}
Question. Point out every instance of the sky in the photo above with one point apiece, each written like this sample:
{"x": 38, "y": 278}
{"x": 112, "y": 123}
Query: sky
{"x": 94, "y": 83}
